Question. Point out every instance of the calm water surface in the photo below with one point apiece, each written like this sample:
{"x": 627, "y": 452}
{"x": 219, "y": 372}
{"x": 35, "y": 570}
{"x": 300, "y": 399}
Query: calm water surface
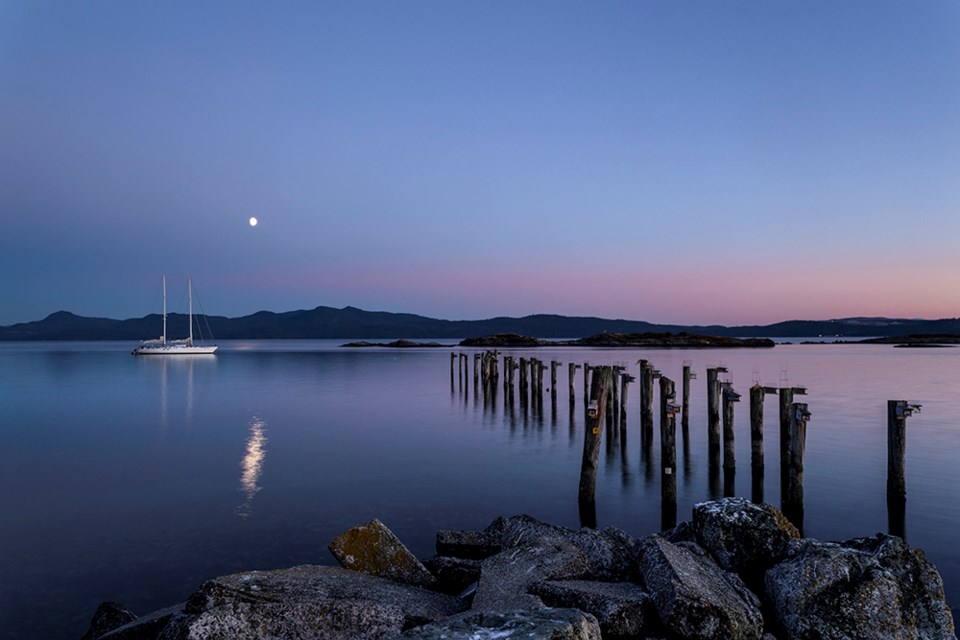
{"x": 135, "y": 479}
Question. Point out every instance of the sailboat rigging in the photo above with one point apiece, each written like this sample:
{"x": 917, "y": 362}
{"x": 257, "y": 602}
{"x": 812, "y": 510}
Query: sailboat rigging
{"x": 162, "y": 346}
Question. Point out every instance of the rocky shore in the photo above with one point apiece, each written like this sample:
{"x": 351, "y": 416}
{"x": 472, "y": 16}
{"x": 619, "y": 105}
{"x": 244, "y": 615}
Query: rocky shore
{"x": 737, "y": 571}
{"x": 632, "y": 340}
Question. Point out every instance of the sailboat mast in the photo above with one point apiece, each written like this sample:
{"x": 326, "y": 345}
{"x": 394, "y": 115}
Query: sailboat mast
{"x": 163, "y": 339}
{"x": 190, "y": 305}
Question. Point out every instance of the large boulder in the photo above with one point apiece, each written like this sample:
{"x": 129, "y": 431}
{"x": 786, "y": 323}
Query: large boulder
{"x": 535, "y": 624}
{"x": 145, "y": 627}
{"x": 372, "y": 548}
{"x": 323, "y": 620}
{"x": 694, "y": 598}
{"x": 506, "y": 578}
{"x": 307, "y": 602}
{"x": 610, "y": 553}
{"x": 623, "y": 609}
{"x": 742, "y": 536}
{"x": 107, "y": 617}
{"x": 864, "y": 588}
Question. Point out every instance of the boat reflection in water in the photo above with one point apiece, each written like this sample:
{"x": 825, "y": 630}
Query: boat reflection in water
{"x": 252, "y": 465}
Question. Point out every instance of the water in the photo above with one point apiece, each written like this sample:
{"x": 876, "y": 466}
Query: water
{"x": 135, "y": 479}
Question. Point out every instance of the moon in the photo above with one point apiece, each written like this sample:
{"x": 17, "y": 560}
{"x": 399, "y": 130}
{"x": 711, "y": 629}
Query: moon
{"x": 253, "y": 221}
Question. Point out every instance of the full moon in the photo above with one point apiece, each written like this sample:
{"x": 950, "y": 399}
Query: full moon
{"x": 253, "y": 221}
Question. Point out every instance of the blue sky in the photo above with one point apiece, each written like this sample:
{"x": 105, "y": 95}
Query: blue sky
{"x": 690, "y": 162}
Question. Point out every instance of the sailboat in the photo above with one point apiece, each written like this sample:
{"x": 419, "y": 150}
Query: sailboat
{"x": 163, "y": 347}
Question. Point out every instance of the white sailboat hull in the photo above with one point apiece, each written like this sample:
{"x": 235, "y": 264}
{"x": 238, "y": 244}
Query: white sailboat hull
{"x": 173, "y": 350}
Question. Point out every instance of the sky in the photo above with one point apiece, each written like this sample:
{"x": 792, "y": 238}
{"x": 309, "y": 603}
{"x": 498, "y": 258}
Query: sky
{"x": 731, "y": 162}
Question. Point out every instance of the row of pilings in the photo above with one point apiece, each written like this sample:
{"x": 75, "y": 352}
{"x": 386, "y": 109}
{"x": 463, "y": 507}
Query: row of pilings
{"x": 605, "y": 390}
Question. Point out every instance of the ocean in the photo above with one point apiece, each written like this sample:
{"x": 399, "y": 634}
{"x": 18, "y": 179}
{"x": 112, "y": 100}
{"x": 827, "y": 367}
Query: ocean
{"x": 135, "y": 479}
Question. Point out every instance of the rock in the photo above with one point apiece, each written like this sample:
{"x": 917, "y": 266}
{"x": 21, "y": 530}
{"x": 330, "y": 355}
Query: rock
{"x": 742, "y": 536}
{"x": 923, "y": 605}
{"x": 453, "y": 574}
{"x": 694, "y": 598}
{"x": 323, "y": 620}
{"x": 372, "y": 548}
{"x": 146, "y": 627}
{"x": 315, "y": 600}
{"x": 536, "y": 624}
{"x": 472, "y": 545}
{"x": 622, "y": 609}
{"x": 107, "y": 617}
{"x": 505, "y": 578}
{"x": 610, "y": 553}
{"x": 863, "y": 588}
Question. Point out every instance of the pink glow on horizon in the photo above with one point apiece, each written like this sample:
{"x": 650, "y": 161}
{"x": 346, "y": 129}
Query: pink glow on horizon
{"x": 686, "y": 294}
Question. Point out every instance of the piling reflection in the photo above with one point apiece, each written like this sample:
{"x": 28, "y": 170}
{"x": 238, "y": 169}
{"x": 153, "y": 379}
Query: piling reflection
{"x": 252, "y": 465}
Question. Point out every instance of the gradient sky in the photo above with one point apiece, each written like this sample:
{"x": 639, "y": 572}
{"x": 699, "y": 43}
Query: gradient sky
{"x": 692, "y": 162}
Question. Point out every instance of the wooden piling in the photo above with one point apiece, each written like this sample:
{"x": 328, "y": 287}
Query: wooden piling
{"x": 713, "y": 413}
{"x": 593, "y": 433}
{"x": 897, "y": 413}
{"x": 729, "y": 451}
{"x": 685, "y": 407}
{"x": 477, "y": 357}
{"x": 625, "y": 380}
{"x": 586, "y": 384}
{"x": 786, "y": 402}
{"x": 553, "y": 378}
{"x": 647, "y": 377}
{"x": 571, "y": 378}
{"x": 793, "y": 497}
{"x": 540, "y": 366}
{"x": 453, "y": 356}
{"x": 668, "y": 442}
{"x": 756, "y": 425}
{"x": 523, "y": 377}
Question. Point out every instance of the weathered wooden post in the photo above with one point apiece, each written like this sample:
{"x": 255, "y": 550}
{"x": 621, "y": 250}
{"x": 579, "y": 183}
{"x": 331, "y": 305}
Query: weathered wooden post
{"x": 729, "y": 451}
{"x": 477, "y": 357}
{"x": 757, "y": 393}
{"x": 648, "y": 375}
{"x": 586, "y": 384}
{"x": 729, "y": 396}
{"x": 713, "y": 413}
{"x": 540, "y": 369}
{"x": 523, "y": 378}
{"x": 506, "y": 373}
{"x": 793, "y": 497}
{"x": 625, "y": 380}
{"x": 613, "y": 399}
{"x": 786, "y": 402}
{"x": 897, "y": 413}
{"x": 571, "y": 378}
{"x": 641, "y": 376}
{"x": 688, "y": 375}
{"x": 553, "y": 379}
{"x": 593, "y": 433}
{"x": 453, "y": 356}
{"x": 668, "y": 453}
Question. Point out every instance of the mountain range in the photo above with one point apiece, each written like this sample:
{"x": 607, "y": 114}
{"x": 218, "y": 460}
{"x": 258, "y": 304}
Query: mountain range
{"x": 353, "y": 323}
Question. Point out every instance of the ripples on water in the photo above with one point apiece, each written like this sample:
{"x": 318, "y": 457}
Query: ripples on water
{"x": 135, "y": 479}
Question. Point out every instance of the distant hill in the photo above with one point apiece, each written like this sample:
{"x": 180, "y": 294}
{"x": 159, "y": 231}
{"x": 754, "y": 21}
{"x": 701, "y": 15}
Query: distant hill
{"x": 350, "y": 322}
